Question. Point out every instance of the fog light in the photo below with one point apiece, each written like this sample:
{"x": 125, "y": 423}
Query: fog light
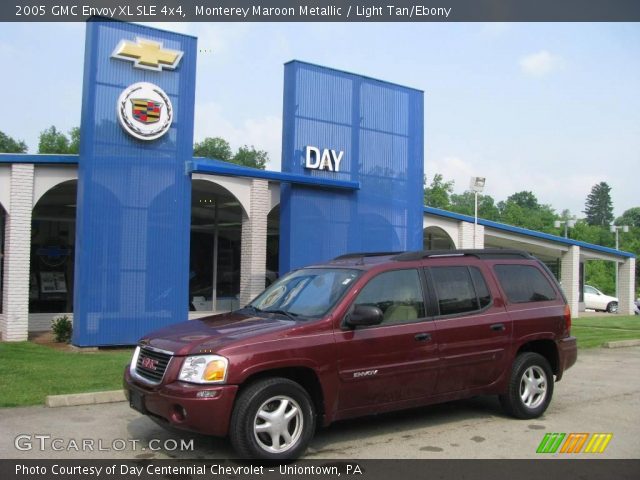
{"x": 207, "y": 394}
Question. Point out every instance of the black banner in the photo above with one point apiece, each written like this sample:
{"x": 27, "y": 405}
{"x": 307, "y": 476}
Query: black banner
{"x": 322, "y": 10}
{"x": 358, "y": 469}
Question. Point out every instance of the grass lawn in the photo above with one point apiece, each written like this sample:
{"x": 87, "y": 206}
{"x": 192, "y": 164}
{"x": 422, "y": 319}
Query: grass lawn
{"x": 30, "y": 372}
{"x": 594, "y": 331}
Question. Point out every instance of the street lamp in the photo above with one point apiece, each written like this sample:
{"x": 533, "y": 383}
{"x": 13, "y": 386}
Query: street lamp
{"x": 477, "y": 186}
{"x": 567, "y": 224}
{"x": 615, "y": 229}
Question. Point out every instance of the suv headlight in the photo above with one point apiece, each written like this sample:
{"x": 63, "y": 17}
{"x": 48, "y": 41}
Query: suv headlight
{"x": 204, "y": 369}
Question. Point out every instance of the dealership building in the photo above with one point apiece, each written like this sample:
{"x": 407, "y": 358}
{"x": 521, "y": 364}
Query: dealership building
{"x": 135, "y": 233}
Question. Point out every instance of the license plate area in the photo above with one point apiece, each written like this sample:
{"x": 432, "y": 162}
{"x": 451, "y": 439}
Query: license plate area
{"x": 136, "y": 401}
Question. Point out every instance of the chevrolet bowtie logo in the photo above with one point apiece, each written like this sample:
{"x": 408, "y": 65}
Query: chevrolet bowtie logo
{"x": 147, "y": 54}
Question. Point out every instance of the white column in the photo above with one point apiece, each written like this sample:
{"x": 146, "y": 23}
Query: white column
{"x": 15, "y": 301}
{"x": 465, "y": 235}
{"x": 253, "y": 260}
{"x": 570, "y": 278}
{"x": 626, "y": 286}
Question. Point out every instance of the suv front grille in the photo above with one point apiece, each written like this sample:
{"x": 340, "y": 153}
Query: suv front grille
{"x": 152, "y": 364}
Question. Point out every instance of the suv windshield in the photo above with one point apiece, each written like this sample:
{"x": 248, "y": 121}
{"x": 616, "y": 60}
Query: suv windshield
{"x": 309, "y": 292}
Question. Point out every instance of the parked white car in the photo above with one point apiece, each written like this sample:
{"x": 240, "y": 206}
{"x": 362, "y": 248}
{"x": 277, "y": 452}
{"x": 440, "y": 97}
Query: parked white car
{"x": 594, "y": 299}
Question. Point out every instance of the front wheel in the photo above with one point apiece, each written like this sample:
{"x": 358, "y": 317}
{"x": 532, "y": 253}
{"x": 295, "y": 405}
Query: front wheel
{"x": 273, "y": 419}
{"x": 530, "y": 386}
{"x": 612, "y": 307}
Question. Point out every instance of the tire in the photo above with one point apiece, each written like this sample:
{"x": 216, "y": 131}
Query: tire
{"x": 529, "y": 369}
{"x": 254, "y": 436}
{"x": 612, "y": 307}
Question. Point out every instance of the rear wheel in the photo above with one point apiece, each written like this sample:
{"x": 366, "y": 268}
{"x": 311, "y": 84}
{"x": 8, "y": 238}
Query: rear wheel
{"x": 530, "y": 386}
{"x": 612, "y": 307}
{"x": 273, "y": 419}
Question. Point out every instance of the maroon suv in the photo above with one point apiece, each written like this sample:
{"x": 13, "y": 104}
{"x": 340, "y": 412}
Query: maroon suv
{"x": 362, "y": 334}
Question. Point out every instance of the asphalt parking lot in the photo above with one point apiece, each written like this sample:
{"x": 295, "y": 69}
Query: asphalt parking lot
{"x": 600, "y": 394}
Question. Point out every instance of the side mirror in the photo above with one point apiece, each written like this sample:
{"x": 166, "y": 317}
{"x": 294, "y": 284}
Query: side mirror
{"x": 364, "y": 315}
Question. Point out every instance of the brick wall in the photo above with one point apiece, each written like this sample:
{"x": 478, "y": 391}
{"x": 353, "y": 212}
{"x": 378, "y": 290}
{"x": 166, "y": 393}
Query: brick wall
{"x": 626, "y": 286}
{"x": 15, "y": 322}
{"x": 253, "y": 258}
{"x": 570, "y": 277}
{"x": 465, "y": 235}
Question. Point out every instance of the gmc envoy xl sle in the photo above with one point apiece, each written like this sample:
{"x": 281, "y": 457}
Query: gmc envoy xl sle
{"x": 360, "y": 335}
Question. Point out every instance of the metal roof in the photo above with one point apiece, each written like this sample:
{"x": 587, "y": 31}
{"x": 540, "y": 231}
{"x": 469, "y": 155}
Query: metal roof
{"x": 39, "y": 158}
{"x": 528, "y": 233}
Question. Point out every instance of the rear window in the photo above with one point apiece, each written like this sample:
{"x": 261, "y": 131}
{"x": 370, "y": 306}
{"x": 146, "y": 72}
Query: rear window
{"x": 524, "y": 283}
{"x": 459, "y": 289}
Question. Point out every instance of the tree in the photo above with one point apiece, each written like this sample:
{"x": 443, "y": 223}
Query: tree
{"x": 219, "y": 149}
{"x": 53, "y": 141}
{"x": 522, "y": 209}
{"x": 437, "y": 194}
{"x": 566, "y": 215}
{"x": 465, "y": 203}
{"x": 600, "y": 274}
{"x": 250, "y": 157}
{"x": 216, "y": 148}
{"x": 630, "y": 217}
{"x": 487, "y": 208}
{"x": 599, "y": 207}
{"x": 9, "y": 145}
{"x": 524, "y": 199}
{"x": 74, "y": 142}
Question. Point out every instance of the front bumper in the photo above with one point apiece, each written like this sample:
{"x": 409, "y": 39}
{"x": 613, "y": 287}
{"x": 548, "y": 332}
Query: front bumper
{"x": 567, "y": 355}
{"x": 177, "y": 405}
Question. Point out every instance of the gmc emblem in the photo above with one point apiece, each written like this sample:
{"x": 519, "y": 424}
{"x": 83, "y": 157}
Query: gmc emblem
{"x": 149, "y": 363}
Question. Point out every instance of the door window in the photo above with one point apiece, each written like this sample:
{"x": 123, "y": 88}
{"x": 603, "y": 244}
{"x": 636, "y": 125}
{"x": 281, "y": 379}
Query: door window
{"x": 397, "y": 293}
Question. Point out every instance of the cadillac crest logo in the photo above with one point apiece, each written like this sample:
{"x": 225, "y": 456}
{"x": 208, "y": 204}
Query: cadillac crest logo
{"x": 145, "y": 111}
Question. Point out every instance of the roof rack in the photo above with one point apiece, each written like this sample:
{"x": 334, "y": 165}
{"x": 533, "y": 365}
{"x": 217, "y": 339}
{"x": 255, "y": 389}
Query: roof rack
{"x": 350, "y": 256}
{"x": 359, "y": 258}
{"x": 485, "y": 254}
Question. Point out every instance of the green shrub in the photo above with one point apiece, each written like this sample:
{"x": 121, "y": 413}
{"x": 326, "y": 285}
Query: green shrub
{"x": 62, "y": 329}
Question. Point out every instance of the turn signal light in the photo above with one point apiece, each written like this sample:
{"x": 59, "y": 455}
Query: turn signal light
{"x": 215, "y": 371}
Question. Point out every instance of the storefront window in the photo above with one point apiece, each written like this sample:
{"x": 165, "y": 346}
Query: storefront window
{"x": 53, "y": 232}
{"x": 214, "y": 263}
{"x": 273, "y": 245}
{"x": 435, "y": 238}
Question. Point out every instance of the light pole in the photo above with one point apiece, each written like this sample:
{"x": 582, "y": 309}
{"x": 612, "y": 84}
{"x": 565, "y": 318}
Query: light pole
{"x": 477, "y": 186}
{"x": 567, "y": 224}
{"x": 615, "y": 229}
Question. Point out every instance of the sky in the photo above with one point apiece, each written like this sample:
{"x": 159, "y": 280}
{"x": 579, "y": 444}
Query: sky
{"x": 553, "y": 108}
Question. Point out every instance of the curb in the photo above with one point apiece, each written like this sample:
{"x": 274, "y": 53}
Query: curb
{"x": 621, "y": 344}
{"x": 75, "y": 399}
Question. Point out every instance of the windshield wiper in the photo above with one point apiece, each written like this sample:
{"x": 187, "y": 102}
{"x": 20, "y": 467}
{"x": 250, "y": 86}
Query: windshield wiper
{"x": 251, "y": 307}
{"x": 289, "y": 315}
